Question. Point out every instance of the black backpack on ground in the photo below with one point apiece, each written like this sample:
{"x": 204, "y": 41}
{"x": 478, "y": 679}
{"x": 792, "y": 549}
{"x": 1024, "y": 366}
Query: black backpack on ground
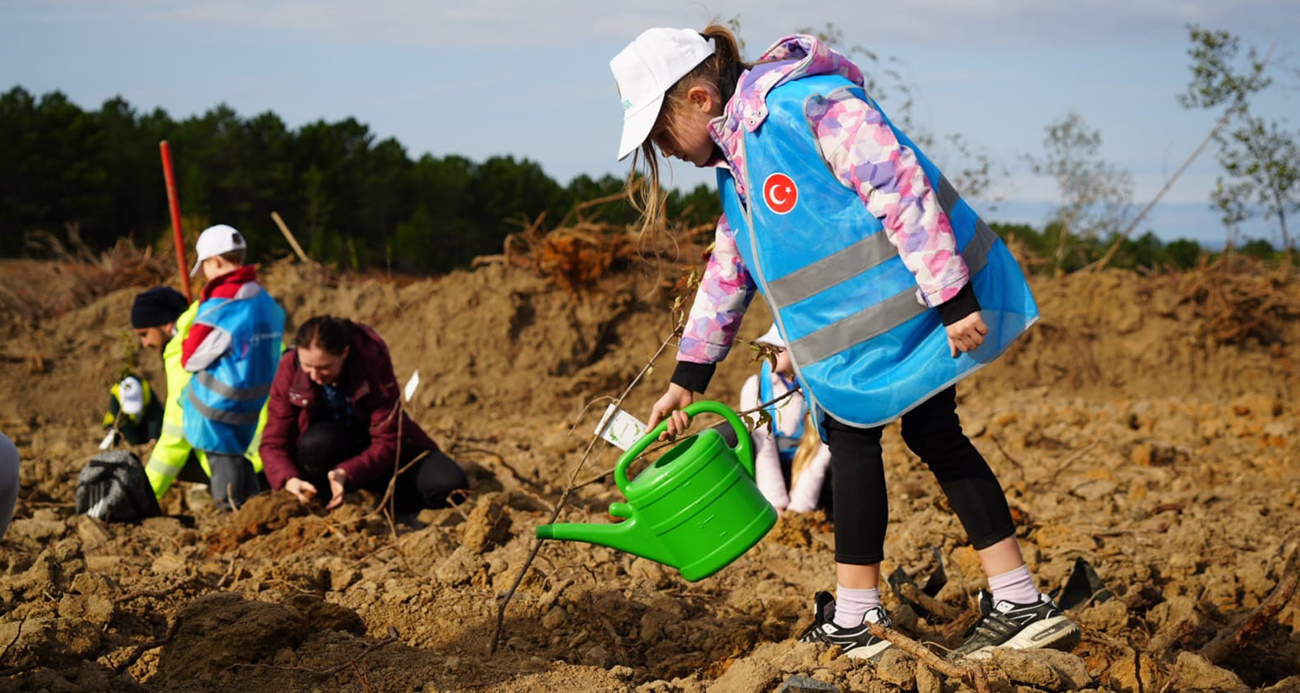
{"x": 113, "y": 487}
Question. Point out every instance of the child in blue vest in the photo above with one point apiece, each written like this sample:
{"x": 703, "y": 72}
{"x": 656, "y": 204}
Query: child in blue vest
{"x": 233, "y": 350}
{"x": 885, "y": 285}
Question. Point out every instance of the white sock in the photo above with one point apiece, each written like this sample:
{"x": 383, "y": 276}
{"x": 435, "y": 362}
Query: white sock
{"x": 852, "y": 605}
{"x": 1015, "y": 586}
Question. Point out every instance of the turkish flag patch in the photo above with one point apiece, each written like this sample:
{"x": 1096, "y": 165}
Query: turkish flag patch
{"x": 780, "y": 193}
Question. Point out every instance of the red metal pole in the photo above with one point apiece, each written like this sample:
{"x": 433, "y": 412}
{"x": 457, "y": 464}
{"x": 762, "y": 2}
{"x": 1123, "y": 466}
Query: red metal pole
{"x": 175, "y": 204}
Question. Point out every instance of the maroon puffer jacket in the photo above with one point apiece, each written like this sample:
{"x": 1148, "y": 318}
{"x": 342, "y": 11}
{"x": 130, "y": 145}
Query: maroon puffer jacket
{"x": 368, "y": 371}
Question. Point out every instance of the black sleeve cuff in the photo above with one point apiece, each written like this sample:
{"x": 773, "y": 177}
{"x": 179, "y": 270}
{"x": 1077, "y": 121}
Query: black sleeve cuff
{"x": 959, "y": 306}
{"x": 694, "y": 376}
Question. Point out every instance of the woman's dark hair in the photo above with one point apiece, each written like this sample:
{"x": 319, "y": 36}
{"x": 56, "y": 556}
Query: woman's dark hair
{"x": 326, "y": 332}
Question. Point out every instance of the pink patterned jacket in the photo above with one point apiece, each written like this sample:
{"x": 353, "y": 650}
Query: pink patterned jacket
{"x": 864, "y": 154}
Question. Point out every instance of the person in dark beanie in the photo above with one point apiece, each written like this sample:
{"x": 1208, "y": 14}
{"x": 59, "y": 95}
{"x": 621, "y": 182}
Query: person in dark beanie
{"x": 134, "y": 409}
{"x": 154, "y": 315}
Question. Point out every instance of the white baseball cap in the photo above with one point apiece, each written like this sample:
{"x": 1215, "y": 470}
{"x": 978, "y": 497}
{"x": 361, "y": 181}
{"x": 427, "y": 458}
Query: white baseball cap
{"x": 216, "y": 240}
{"x": 773, "y": 337}
{"x": 645, "y": 70}
{"x": 130, "y": 395}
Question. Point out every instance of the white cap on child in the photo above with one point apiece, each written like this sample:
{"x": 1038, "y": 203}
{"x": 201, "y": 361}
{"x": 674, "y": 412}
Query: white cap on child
{"x": 130, "y": 395}
{"x": 217, "y": 240}
{"x": 772, "y": 337}
{"x": 645, "y": 70}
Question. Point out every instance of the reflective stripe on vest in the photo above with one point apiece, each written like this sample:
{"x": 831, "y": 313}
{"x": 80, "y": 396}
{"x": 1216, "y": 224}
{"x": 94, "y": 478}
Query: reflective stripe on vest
{"x": 883, "y": 316}
{"x": 233, "y": 418}
{"x": 242, "y": 394}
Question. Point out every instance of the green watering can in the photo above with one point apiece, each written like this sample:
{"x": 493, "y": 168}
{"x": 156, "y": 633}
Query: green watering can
{"x": 696, "y": 508}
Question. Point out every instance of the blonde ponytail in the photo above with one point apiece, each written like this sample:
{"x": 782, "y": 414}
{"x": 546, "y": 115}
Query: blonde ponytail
{"x": 809, "y": 444}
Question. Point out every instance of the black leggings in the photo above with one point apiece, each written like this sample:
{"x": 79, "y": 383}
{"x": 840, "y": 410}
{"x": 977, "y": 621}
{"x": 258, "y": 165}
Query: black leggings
{"x": 933, "y": 432}
{"x": 425, "y": 485}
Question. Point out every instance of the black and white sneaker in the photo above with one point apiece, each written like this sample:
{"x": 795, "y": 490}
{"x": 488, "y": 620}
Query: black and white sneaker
{"x": 857, "y": 643}
{"x": 1018, "y": 626}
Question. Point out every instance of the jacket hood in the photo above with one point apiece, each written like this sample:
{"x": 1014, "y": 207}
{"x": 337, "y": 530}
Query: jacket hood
{"x": 791, "y": 58}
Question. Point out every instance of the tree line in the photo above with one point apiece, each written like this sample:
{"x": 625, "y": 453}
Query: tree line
{"x": 350, "y": 197}
{"x": 359, "y": 201}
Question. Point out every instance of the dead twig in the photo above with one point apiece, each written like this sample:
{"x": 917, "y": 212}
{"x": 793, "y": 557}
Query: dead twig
{"x": 1226, "y": 644}
{"x": 146, "y": 646}
{"x": 365, "y": 684}
{"x": 1069, "y": 460}
{"x": 937, "y": 608}
{"x": 158, "y": 594}
{"x": 970, "y": 670}
{"x": 230, "y": 571}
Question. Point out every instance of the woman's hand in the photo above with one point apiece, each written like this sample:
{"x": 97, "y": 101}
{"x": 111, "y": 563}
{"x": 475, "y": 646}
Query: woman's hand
{"x": 338, "y": 485}
{"x": 301, "y": 489}
{"x": 967, "y": 334}
{"x": 670, "y": 407}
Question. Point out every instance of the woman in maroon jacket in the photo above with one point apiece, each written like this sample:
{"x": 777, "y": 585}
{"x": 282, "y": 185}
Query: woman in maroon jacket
{"x": 332, "y": 426}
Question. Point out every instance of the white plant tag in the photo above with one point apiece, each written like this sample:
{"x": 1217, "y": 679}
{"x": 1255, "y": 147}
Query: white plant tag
{"x": 412, "y": 384}
{"x": 622, "y": 430}
{"x": 109, "y": 440}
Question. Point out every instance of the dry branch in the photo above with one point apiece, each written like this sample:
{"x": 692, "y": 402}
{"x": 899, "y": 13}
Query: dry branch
{"x": 971, "y": 670}
{"x": 193, "y": 579}
{"x": 1228, "y": 643}
{"x": 938, "y": 608}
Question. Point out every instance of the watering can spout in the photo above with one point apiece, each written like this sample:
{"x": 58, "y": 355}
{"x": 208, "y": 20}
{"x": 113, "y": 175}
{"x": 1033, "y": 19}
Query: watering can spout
{"x": 624, "y": 536}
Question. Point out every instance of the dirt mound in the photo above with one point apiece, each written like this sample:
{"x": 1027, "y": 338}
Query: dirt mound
{"x": 219, "y": 631}
{"x": 1145, "y": 428}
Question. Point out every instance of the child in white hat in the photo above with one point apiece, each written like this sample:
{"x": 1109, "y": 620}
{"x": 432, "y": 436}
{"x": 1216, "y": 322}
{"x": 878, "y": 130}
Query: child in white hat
{"x": 879, "y": 276}
{"x": 233, "y": 350}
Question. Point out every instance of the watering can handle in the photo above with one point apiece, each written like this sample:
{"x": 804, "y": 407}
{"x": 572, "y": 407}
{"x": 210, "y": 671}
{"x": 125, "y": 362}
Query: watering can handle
{"x": 744, "y": 447}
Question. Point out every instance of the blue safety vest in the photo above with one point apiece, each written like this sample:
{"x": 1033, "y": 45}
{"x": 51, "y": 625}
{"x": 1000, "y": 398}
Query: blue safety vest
{"x": 786, "y": 446}
{"x": 865, "y": 348}
{"x": 225, "y": 399}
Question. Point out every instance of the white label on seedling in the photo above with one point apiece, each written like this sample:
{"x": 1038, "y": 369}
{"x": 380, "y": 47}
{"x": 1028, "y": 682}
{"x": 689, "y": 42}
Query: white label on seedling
{"x": 109, "y": 440}
{"x": 622, "y": 430}
{"x": 412, "y": 384}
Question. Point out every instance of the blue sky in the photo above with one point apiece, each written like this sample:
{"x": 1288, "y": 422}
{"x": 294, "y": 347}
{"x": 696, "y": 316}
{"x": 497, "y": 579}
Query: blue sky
{"x": 530, "y": 78}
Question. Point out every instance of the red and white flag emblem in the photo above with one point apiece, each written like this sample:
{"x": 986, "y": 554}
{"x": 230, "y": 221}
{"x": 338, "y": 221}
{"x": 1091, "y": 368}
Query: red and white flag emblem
{"x": 780, "y": 193}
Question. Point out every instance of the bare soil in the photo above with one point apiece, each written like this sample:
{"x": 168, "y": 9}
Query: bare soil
{"x": 1147, "y": 426}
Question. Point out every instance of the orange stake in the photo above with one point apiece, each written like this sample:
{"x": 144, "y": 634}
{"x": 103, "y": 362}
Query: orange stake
{"x": 175, "y": 204}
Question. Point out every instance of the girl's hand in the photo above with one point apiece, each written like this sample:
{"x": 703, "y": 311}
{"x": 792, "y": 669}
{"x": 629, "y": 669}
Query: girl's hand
{"x": 967, "y": 334}
{"x": 338, "y": 483}
{"x": 300, "y": 489}
{"x": 670, "y": 406}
